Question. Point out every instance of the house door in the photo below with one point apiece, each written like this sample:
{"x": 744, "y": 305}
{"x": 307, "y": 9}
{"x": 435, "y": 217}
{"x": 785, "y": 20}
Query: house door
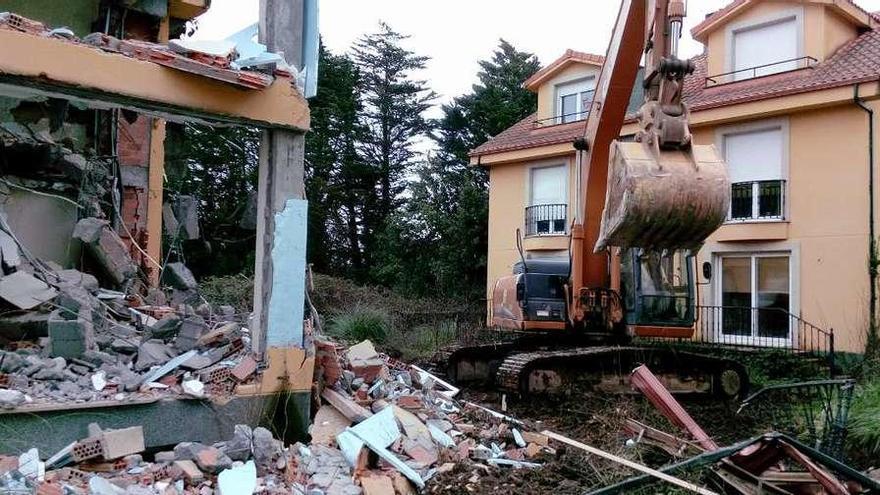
{"x": 756, "y": 299}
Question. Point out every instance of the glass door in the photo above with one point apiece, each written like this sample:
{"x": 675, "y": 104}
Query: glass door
{"x": 756, "y": 299}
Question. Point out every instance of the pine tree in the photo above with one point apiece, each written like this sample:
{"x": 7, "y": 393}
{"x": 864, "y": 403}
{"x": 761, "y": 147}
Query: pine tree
{"x": 393, "y": 106}
{"x": 336, "y": 179}
{"x": 443, "y": 228}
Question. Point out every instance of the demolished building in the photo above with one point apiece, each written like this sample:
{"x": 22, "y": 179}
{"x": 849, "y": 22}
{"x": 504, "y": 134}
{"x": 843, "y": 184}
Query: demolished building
{"x": 85, "y": 331}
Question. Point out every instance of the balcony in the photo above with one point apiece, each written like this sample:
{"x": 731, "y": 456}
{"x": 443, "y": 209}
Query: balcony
{"x": 757, "y": 201}
{"x": 761, "y": 70}
{"x": 546, "y": 220}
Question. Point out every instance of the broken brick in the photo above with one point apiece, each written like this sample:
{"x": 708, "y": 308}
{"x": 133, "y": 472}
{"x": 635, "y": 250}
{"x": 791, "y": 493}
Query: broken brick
{"x": 531, "y": 437}
{"x": 245, "y": 369}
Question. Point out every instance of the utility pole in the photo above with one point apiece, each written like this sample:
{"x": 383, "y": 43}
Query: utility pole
{"x": 279, "y": 285}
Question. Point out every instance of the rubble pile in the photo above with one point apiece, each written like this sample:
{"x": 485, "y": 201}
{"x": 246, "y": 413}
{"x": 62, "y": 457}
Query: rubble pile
{"x": 112, "y": 462}
{"x": 387, "y": 427}
{"x": 66, "y": 339}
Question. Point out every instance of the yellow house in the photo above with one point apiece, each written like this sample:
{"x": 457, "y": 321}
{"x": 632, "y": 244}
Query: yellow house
{"x": 785, "y": 90}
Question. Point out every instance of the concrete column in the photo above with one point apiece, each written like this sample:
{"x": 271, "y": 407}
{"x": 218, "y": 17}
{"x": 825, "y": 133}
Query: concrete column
{"x": 279, "y": 287}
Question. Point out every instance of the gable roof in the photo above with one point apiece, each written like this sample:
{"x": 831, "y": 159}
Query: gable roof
{"x": 570, "y": 56}
{"x": 847, "y": 8}
{"x": 857, "y": 61}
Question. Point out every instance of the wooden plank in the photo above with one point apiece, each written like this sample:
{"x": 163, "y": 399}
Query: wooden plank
{"x": 628, "y": 463}
{"x": 349, "y": 408}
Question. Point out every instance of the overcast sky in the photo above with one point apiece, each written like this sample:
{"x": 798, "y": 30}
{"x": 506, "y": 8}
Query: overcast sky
{"x": 458, "y": 33}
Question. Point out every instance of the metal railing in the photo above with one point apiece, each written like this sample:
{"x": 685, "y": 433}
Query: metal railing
{"x": 758, "y": 200}
{"x": 760, "y": 328}
{"x": 547, "y": 219}
{"x": 562, "y": 119}
{"x": 752, "y": 72}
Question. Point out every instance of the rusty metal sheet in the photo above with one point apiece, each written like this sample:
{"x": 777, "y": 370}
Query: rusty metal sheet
{"x": 650, "y": 386}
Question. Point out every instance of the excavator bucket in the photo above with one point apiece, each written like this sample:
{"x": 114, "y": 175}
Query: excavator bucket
{"x": 663, "y": 199}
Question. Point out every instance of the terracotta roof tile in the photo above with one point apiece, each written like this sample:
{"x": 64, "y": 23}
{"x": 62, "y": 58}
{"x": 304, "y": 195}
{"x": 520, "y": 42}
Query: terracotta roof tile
{"x": 569, "y": 56}
{"x": 857, "y": 61}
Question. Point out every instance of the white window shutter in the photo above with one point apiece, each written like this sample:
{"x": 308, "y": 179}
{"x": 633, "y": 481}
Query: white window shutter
{"x": 548, "y": 185}
{"x": 754, "y": 156}
{"x": 768, "y": 44}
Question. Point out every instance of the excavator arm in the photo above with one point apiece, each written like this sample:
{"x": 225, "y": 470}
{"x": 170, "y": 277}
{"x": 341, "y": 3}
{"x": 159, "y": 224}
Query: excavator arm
{"x": 657, "y": 192}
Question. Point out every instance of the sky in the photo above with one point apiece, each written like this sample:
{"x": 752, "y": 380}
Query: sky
{"x": 456, "y": 34}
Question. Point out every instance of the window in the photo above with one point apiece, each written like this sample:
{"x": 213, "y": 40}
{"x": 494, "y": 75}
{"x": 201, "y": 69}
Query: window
{"x": 573, "y": 100}
{"x": 765, "y": 49}
{"x": 546, "y": 213}
{"x": 755, "y": 162}
{"x": 756, "y": 296}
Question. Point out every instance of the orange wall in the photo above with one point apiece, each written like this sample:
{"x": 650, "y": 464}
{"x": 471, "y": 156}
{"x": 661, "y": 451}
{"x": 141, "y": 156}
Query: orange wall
{"x": 826, "y": 229}
{"x": 827, "y": 226}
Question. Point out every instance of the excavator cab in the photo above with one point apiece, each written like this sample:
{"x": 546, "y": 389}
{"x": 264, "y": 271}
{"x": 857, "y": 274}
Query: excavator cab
{"x": 658, "y": 288}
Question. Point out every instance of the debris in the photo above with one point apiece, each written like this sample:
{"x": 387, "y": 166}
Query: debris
{"x": 346, "y": 406}
{"x": 25, "y": 291}
{"x": 106, "y": 247}
{"x": 241, "y": 480}
{"x": 194, "y": 388}
{"x": 328, "y": 423}
{"x": 630, "y": 464}
{"x": 120, "y": 443}
{"x": 168, "y": 367}
{"x": 177, "y": 275}
{"x": 192, "y": 472}
{"x": 243, "y": 370}
{"x": 377, "y": 485}
{"x": 10, "y": 399}
{"x": 650, "y": 386}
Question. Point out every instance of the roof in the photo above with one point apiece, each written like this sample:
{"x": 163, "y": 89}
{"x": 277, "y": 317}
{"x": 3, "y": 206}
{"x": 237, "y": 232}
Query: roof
{"x": 856, "y": 62}
{"x": 848, "y": 8}
{"x": 570, "y": 56}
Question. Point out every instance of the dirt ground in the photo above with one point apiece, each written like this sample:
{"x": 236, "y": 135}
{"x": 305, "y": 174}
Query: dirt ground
{"x": 595, "y": 420}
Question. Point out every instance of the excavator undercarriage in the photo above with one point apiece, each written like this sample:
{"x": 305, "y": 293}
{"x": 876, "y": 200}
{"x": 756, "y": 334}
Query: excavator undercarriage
{"x": 528, "y": 365}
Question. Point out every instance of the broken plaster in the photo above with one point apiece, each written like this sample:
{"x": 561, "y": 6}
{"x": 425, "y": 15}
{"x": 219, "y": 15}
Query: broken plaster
{"x": 285, "y": 314}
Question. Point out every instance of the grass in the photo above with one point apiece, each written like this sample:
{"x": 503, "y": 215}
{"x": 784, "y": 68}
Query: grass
{"x": 864, "y": 430}
{"x": 361, "y": 323}
{"x": 421, "y": 342}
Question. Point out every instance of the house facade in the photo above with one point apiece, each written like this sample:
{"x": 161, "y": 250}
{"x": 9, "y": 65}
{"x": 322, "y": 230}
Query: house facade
{"x": 785, "y": 91}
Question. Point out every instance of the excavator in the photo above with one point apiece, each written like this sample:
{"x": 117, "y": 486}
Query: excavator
{"x": 644, "y": 207}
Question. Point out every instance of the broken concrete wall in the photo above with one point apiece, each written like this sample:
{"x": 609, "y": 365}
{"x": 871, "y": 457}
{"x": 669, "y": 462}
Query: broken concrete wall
{"x": 50, "y": 238}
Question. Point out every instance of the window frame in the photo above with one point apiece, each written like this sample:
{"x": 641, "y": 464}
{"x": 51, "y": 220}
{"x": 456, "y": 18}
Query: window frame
{"x": 588, "y": 82}
{"x": 795, "y": 13}
{"x": 781, "y": 124}
{"x": 527, "y": 201}
{"x": 753, "y": 256}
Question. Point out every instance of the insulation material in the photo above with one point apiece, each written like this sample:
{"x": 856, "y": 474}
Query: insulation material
{"x": 671, "y": 203}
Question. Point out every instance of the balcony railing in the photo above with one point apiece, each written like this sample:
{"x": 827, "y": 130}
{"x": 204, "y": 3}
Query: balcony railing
{"x": 761, "y": 70}
{"x": 546, "y": 219}
{"x": 561, "y": 119}
{"x": 760, "y": 328}
{"x": 759, "y": 200}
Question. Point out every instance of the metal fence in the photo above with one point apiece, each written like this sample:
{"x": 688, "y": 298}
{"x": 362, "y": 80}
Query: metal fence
{"x": 549, "y": 219}
{"x": 760, "y": 328}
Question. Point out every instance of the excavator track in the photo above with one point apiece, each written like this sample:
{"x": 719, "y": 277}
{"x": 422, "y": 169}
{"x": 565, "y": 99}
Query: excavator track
{"x": 607, "y": 368}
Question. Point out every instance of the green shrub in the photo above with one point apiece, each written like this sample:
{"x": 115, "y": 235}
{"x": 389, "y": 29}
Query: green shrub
{"x": 361, "y": 324}
{"x": 421, "y": 342}
{"x": 864, "y": 430}
{"x": 233, "y": 290}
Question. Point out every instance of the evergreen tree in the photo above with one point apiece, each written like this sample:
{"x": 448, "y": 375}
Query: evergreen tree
{"x": 336, "y": 179}
{"x": 443, "y": 228}
{"x": 393, "y": 104}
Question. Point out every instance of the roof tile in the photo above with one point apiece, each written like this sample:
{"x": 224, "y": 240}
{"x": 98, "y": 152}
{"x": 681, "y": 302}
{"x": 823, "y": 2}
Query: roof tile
{"x": 856, "y": 61}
